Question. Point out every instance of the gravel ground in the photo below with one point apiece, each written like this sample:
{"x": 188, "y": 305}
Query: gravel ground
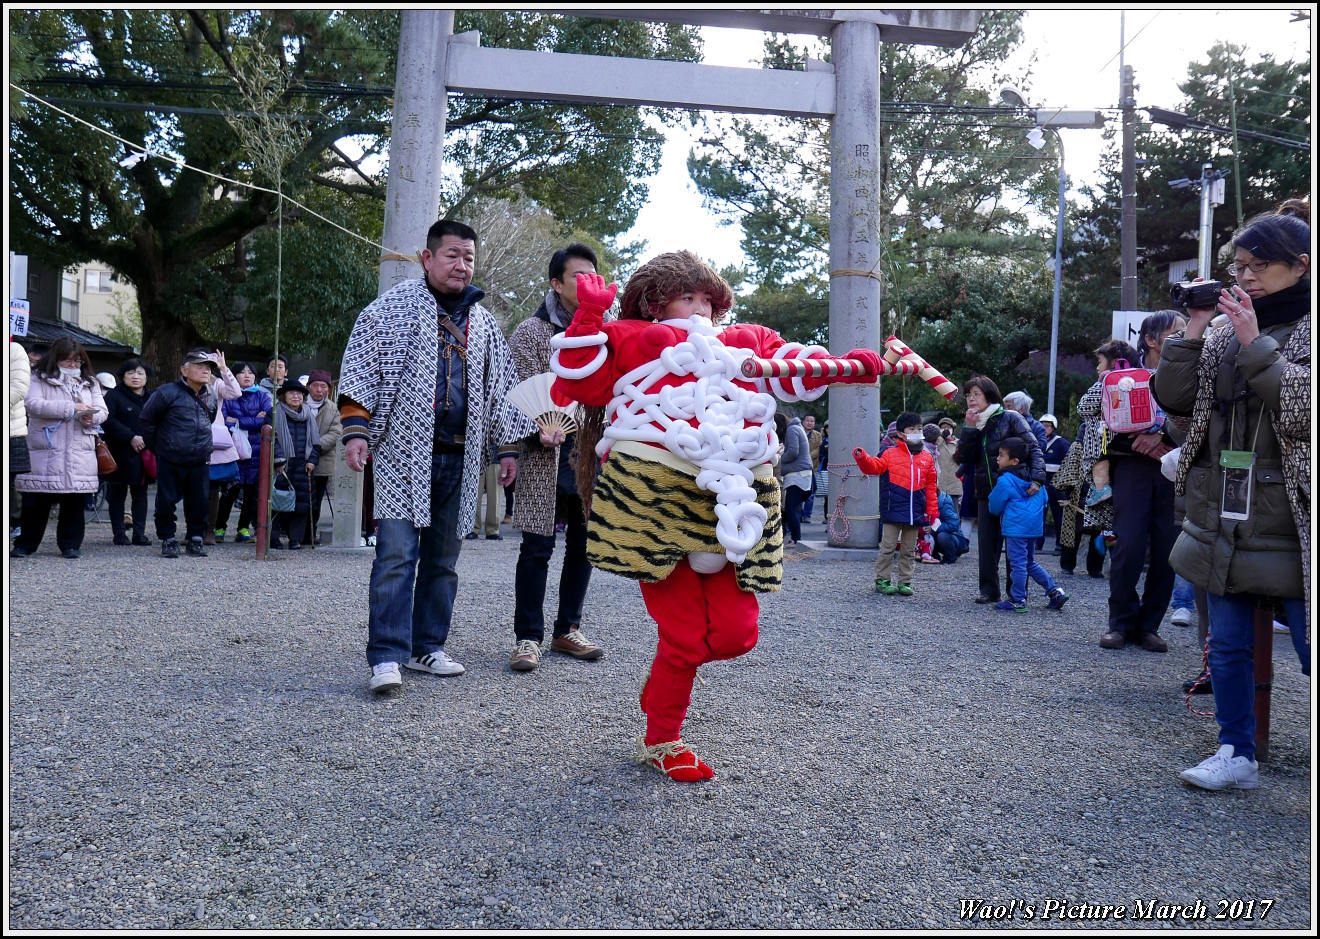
{"x": 192, "y": 746}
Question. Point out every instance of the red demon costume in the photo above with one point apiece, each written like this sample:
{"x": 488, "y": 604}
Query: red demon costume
{"x": 685, "y": 501}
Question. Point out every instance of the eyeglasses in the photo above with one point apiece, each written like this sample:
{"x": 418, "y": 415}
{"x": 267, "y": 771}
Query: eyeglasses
{"x": 1256, "y": 267}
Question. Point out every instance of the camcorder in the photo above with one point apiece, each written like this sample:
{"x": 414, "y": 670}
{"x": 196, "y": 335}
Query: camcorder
{"x": 1198, "y": 295}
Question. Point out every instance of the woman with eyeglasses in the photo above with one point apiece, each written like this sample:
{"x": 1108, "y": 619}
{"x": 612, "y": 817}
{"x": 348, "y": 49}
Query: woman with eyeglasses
{"x": 1245, "y": 468}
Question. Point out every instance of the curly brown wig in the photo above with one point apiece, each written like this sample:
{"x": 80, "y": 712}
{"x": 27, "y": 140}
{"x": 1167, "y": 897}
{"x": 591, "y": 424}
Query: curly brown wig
{"x": 649, "y": 290}
{"x": 670, "y": 275}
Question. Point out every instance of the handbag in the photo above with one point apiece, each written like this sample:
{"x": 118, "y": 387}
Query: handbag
{"x": 241, "y": 442}
{"x": 282, "y": 499}
{"x": 148, "y": 466}
{"x": 105, "y": 463}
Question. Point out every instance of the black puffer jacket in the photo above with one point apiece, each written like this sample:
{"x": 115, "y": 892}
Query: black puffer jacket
{"x": 980, "y": 448}
{"x": 176, "y": 424}
{"x": 120, "y": 429}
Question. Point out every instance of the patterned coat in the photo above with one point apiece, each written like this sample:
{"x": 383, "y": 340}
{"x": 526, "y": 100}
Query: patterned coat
{"x": 538, "y": 466}
{"x": 1267, "y": 367}
{"x": 389, "y": 370}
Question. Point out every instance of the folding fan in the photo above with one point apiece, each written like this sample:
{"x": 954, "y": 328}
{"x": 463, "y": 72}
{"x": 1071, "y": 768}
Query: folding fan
{"x": 532, "y": 397}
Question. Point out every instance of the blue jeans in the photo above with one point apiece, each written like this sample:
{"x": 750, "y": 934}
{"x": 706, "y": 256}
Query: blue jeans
{"x": 404, "y": 622}
{"x": 1021, "y": 562}
{"x": 1183, "y": 598}
{"x": 1232, "y": 638}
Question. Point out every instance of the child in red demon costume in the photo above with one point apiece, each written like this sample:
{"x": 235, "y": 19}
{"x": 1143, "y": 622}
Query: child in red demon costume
{"x": 685, "y": 501}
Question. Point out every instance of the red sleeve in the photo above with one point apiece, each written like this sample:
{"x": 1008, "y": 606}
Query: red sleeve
{"x": 766, "y": 342}
{"x": 596, "y": 389}
{"x": 872, "y": 465}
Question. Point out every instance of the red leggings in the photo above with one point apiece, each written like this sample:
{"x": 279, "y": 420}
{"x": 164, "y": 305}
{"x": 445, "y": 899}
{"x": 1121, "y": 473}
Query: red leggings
{"x": 701, "y": 618}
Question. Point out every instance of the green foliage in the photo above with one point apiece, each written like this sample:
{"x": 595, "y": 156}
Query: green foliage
{"x": 979, "y": 317}
{"x": 1271, "y": 96}
{"x": 125, "y": 322}
{"x": 195, "y": 249}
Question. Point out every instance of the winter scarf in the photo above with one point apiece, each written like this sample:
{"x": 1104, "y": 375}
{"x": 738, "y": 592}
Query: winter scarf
{"x": 284, "y": 414}
{"x": 1284, "y": 306}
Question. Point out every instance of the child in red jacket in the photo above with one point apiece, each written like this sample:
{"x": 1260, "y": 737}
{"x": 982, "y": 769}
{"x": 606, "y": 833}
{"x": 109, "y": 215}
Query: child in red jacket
{"x": 908, "y": 500}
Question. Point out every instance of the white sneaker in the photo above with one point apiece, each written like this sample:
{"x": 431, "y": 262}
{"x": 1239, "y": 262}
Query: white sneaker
{"x": 1224, "y": 771}
{"x": 1280, "y": 627}
{"x": 385, "y": 677}
{"x": 1183, "y": 617}
{"x": 437, "y": 663}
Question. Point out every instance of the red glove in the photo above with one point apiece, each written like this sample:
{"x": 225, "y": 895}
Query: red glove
{"x": 873, "y": 365}
{"x": 860, "y": 452}
{"x": 594, "y": 298}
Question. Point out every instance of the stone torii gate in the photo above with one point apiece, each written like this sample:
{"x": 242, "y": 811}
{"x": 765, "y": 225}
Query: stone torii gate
{"x": 433, "y": 61}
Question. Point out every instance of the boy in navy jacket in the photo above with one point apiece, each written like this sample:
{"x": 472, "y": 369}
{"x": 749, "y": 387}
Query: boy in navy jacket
{"x": 1022, "y": 521}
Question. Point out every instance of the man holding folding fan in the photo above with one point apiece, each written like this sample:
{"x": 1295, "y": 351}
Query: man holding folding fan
{"x": 547, "y": 492}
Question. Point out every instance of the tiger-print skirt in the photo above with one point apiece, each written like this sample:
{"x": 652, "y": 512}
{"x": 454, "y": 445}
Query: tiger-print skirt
{"x": 646, "y": 517}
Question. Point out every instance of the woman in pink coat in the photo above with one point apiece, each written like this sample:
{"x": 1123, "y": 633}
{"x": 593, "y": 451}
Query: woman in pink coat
{"x": 64, "y": 406}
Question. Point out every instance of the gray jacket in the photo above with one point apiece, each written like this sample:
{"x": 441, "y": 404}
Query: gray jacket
{"x": 797, "y": 450}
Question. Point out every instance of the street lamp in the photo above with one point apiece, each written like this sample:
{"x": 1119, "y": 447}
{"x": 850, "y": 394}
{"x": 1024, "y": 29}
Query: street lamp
{"x": 1051, "y": 121}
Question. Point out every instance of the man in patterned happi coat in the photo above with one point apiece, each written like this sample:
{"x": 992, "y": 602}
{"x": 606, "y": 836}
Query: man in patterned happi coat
{"x": 423, "y": 385}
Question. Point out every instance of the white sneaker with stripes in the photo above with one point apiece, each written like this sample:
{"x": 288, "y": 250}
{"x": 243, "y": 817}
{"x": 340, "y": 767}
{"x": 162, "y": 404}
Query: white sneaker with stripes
{"x": 437, "y": 663}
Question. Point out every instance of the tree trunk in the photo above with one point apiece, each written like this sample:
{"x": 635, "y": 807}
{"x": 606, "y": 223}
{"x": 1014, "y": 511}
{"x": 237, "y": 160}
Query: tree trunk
{"x": 165, "y": 340}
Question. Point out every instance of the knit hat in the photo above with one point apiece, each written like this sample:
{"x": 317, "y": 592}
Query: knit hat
{"x": 931, "y": 432}
{"x": 319, "y": 374}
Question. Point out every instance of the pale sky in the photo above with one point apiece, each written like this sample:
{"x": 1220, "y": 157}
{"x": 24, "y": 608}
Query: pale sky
{"x": 1077, "y": 66}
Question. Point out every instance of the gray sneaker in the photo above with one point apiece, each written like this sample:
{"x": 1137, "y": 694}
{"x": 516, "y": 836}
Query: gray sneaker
{"x": 1224, "y": 771}
{"x": 526, "y": 656}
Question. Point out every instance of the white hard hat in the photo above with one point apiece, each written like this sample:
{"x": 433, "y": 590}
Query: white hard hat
{"x": 1049, "y": 419}
{"x": 106, "y": 380}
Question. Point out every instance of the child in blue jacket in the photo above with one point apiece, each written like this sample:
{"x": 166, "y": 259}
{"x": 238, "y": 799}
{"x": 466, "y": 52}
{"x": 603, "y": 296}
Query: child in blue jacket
{"x": 950, "y": 542}
{"x": 1022, "y": 521}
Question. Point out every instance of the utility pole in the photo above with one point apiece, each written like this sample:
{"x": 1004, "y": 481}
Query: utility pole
{"x": 1212, "y": 194}
{"x": 1237, "y": 174}
{"x": 1128, "y": 102}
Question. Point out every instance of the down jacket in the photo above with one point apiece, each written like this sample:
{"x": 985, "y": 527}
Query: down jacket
{"x": 250, "y": 411}
{"x": 20, "y": 374}
{"x": 1237, "y": 396}
{"x": 120, "y": 428}
{"x": 62, "y": 449}
{"x": 980, "y": 446}
{"x": 1021, "y": 515}
{"x": 176, "y": 423}
{"x": 908, "y": 496}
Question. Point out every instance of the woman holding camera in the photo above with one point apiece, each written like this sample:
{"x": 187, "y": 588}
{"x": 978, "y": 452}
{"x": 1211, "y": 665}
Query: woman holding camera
{"x": 1245, "y": 469}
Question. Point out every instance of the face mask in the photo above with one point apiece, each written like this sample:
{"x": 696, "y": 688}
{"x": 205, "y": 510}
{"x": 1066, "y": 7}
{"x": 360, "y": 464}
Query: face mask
{"x": 914, "y": 440}
{"x": 69, "y": 372}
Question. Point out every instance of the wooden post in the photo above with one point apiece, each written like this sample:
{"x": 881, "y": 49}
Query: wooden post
{"x": 1263, "y": 661}
{"x": 263, "y": 494}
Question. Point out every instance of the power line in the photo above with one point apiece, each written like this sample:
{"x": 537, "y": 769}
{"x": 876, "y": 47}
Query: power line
{"x": 184, "y": 165}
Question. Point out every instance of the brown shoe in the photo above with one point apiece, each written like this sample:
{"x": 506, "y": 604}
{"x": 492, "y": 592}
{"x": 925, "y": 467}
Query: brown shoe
{"x": 526, "y": 656}
{"x": 1112, "y": 640}
{"x": 1152, "y": 642}
{"x": 576, "y": 644}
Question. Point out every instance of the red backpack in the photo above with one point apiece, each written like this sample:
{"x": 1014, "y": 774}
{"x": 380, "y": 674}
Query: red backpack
{"x": 1128, "y": 406}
